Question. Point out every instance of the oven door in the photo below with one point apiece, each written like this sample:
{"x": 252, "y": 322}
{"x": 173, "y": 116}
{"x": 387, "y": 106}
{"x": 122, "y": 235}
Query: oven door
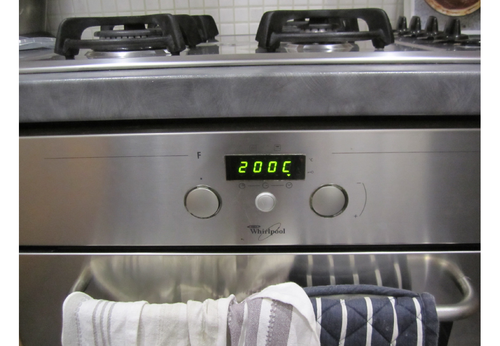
{"x": 47, "y": 279}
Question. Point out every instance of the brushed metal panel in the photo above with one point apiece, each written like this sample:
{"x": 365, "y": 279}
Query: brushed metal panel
{"x": 44, "y": 283}
{"x": 404, "y": 186}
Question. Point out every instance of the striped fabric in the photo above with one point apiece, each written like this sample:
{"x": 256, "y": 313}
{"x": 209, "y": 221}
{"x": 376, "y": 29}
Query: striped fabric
{"x": 97, "y": 322}
{"x": 319, "y": 270}
{"x": 280, "y": 315}
{"x": 271, "y": 328}
{"x": 369, "y": 315}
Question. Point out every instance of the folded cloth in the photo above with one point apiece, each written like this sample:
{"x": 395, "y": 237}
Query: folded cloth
{"x": 374, "y": 315}
{"x": 278, "y": 315}
{"x": 88, "y": 321}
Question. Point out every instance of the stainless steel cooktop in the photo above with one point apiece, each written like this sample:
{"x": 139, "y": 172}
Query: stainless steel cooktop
{"x": 242, "y": 50}
{"x": 283, "y": 37}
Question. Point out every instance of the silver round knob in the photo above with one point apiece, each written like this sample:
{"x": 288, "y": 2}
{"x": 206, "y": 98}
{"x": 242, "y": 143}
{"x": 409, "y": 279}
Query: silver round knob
{"x": 202, "y": 202}
{"x": 329, "y": 200}
{"x": 265, "y": 202}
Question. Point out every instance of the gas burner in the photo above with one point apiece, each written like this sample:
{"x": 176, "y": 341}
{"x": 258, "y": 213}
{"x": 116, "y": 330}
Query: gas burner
{"x": 204, "y": 49}
{"x": 140, "y": 33}
{"x": 117, "y": 34}
{"x": 320, "y": 48}
{"x": 323, "y": 27}
{"x": 92, "y": 54}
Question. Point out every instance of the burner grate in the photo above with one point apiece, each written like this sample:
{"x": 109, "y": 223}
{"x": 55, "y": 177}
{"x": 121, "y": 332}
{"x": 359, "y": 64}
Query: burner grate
{"x": 323, "y": 27}
{"x": 206, "y": 27}
{"x": 151, "y": 32}
{"x": 452, "y": 31}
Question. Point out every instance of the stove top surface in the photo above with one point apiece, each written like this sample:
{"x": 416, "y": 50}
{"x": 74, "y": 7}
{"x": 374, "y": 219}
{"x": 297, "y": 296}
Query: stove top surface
{"x": 283, "y": 38}
{"x": 237, "y": 50}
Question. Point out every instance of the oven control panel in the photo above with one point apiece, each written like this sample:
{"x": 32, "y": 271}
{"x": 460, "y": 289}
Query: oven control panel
{"x": 251, "y": 188}
{"x": 327, "y": 201}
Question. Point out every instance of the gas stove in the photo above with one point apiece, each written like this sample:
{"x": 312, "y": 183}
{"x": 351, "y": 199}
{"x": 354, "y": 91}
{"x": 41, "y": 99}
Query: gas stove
{"x": 322, "y": 35}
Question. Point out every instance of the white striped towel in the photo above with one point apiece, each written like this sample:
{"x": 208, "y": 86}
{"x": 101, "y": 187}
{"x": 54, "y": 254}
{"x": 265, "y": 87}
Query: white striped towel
{"x": 279, "y": 315}
{"x": 93, "y": 322}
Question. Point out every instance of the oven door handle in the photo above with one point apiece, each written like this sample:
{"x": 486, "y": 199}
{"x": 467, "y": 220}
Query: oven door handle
{"x": 469, "y": 303}
{"x": 467, "y": 306}
{"x": 82, "y": 281}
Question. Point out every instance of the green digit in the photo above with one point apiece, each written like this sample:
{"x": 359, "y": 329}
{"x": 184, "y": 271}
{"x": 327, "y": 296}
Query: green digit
{"x": 285, "y": 169}
{"x": 271, "y": 168}
{"x": 243, "y": 167}
{"x": 257, "y": 166}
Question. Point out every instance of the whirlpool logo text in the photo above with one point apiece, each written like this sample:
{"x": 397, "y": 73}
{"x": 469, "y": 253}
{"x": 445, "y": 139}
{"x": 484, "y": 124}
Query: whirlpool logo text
{"x": 266, "y": 232}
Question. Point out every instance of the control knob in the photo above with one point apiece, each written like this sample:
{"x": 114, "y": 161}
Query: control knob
{"x": 329, "y": 200}
{"x": 265, "y": 202}
{"x": 202, "y": 202}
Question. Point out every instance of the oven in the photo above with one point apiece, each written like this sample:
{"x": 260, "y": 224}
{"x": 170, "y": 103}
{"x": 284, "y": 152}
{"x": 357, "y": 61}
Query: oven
{"x": 214, "y": 166}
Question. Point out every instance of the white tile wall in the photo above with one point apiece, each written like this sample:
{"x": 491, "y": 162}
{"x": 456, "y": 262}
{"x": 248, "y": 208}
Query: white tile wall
{"x": 231, "y": 16}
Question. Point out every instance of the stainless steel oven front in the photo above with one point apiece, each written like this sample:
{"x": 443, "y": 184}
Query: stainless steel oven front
{"x": 167, "y": 216}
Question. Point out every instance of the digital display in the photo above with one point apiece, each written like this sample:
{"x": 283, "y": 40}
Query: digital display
{"x": 265, "y": 167}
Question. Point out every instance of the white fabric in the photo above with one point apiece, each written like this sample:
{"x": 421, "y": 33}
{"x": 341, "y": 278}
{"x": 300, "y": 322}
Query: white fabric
{"x": 302, "y": 327}
{"x": 418, "y": 313}
{"x": 343, "y": 327}
{"x": 264, "y": 320}
{"x": 88, "y": 321}
{"x": 395, "y": 331}
{"x": 369, "y": 321}
{"x": 319, "y": 313}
